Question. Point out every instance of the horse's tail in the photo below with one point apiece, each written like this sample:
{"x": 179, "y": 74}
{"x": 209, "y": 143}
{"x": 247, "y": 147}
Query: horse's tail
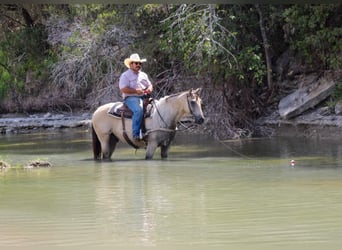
{"x": 96, "y": 144}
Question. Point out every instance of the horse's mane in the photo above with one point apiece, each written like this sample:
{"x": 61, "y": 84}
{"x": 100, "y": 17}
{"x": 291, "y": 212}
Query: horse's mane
{"x": 163, "y": 100}
{"x": 172, "y": 95}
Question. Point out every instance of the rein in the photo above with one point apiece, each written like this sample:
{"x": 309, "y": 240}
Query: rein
{"x": 189, "y": 105}
{"x": 162, "y": 119}
{"x": 160, "y": 129}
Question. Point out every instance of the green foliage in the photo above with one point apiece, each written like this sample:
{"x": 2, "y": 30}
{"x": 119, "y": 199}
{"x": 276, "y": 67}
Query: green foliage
{"x": 252, "y": 65}
{"x": 315, "y": 32}
{"x": 4, "y": 83}
{"x": 337, "y": 93}
{"x": 5, "y": 75}
{"x": 217, "y": 41}
{"x": 21, "y": 51}
{"x": 193, "y": 33}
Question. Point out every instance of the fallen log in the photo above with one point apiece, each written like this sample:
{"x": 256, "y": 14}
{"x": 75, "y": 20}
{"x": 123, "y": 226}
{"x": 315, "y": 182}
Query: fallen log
{"x": 305, "y": 98}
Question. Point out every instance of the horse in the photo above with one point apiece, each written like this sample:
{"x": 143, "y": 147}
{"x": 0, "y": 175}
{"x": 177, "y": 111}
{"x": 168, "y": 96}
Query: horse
{"x": 160, "y": 126}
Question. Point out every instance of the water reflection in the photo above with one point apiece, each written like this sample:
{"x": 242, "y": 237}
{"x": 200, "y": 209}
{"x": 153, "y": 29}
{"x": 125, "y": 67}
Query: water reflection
{"x": 207, "y": 193}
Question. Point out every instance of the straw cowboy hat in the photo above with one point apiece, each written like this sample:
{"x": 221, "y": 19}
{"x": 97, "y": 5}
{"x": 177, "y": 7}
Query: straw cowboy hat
{"x": 133, "y": 58}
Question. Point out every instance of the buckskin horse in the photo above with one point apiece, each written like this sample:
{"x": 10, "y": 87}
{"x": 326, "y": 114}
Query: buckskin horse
{"x": 108, "y": 130}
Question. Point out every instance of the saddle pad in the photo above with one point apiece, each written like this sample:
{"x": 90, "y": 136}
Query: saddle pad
{"x": 118, "y": 108}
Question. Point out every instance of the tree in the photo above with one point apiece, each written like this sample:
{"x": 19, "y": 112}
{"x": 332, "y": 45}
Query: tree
{"x": 195, "y": 33}
{"x": 266, "y": 46}
{"x": 315, "y": 32}
{"x": 23, "y": 49}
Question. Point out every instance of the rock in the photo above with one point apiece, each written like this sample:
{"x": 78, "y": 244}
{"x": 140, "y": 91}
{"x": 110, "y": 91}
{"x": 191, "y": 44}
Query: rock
{"x": 38, "y": 164}
{"x": 4, "y": 165}
{"x": 35, "y": 122}
{"x": 305, "y": 98}
{"x": 60, "y": 116}
{"x": 289, "y": 65}
{"x": 47, "y": 115}
{"x": 325, "y": 111}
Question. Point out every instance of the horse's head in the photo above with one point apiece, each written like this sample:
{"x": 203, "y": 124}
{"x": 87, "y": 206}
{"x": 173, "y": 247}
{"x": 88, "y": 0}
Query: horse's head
{"x": 195, "y": 105}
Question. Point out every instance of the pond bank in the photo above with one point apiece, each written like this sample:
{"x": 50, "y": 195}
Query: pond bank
{"x": 21, "y": 123}
{"x": 312, "y": 124}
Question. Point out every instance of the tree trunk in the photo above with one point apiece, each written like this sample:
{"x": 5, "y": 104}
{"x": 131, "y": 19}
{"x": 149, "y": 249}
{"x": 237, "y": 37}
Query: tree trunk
{"x": 27, "y": 17}
{"x": 266, "y": 48}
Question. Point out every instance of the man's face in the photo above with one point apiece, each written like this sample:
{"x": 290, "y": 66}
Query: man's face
{"x": 136, "y": 66}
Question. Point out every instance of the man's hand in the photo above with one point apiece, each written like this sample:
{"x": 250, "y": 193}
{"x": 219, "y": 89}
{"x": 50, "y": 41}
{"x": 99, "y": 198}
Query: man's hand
{"x": 139, "y": 91}
{"x": 147, "y": 91}
{"x": 136, "y": 91}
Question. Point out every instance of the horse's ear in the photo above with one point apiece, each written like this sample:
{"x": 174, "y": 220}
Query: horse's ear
{"x": 197, "y": 91}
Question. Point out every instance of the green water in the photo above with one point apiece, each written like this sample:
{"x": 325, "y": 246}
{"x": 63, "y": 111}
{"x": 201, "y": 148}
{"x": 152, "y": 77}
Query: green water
{"x": 208, "y": 193}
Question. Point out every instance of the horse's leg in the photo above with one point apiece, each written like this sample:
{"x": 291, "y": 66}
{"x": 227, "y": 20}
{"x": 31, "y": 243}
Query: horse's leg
{"x": 166, "y": 146}
{"x": 151, "y": 148}
{"x": 164, "y": 149}
{"x": 113, "y": 140}
{"x": 96, "y": 145}
{"x": 105, "y": 139}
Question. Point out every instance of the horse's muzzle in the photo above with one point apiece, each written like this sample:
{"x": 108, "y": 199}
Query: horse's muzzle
{"x": 199, "y": 120}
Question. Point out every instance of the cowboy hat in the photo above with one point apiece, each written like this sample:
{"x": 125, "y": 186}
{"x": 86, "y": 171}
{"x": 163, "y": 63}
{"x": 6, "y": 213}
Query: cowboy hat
{"x": 133, "y": 58}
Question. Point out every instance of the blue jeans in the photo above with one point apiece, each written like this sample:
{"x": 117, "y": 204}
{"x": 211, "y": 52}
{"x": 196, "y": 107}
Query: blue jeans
{"x": 135, "y": 104}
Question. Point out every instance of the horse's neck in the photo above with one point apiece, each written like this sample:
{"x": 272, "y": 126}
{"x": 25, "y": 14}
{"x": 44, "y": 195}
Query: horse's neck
{"x": 168, "y": 112}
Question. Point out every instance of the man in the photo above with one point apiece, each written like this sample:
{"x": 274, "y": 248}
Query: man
{"x": 134, "y": 84}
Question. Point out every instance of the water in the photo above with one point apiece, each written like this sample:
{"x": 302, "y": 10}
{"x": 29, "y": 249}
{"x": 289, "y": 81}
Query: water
{"x": 208, "y": 193}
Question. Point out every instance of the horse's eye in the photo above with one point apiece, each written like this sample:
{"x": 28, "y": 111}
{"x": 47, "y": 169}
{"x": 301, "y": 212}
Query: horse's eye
{"x": 193, "y": 104}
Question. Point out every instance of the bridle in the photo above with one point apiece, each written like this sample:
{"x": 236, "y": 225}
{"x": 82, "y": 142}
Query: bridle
{"x": 166, "y": 125}
{"x": 189, "y": 102}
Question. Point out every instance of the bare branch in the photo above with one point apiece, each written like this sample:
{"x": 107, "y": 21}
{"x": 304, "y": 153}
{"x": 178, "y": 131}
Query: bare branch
{"x": 207, "y": 30}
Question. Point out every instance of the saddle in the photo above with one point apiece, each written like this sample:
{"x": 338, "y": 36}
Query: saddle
{"x": 121, "y": 110}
